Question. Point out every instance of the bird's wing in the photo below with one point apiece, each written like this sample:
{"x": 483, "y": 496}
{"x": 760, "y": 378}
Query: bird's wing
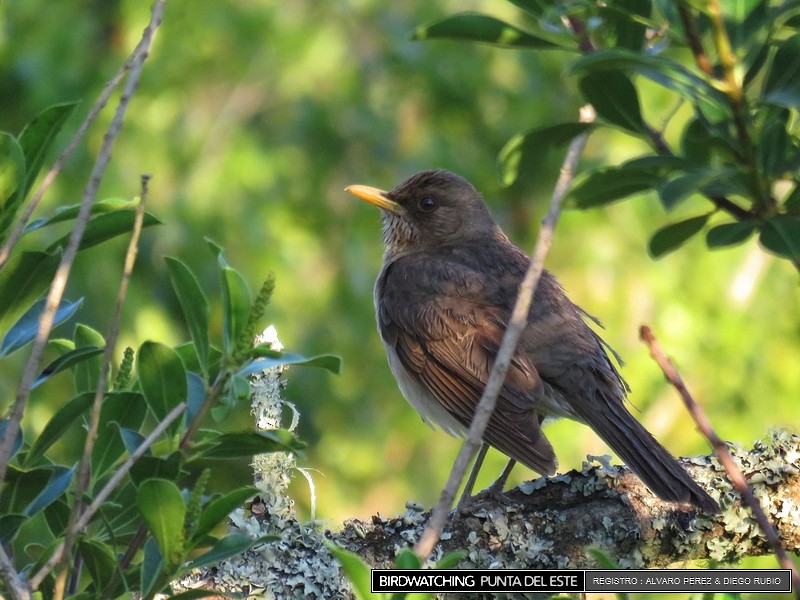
{"x": 448, "y": 342}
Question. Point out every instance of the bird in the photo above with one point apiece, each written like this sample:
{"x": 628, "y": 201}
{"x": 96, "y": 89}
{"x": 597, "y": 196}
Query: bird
{"x": 443, "y": 298}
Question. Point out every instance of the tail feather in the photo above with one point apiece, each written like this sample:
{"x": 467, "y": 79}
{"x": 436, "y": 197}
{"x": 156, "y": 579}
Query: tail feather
{"x": 653, "y": 463}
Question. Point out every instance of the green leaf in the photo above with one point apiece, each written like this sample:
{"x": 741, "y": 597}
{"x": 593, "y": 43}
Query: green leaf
{"x": 231, "y": 544}
{"x": 120, "y": 410}
{"x": 273, "y": 358}
{"x": 730, "y": 234}
{"x": 163, "y": 380}
{"x": 164, "y": 512}
{"x": 783, "y": 80}
{"x": 672, "y": 236}
{"x": 524, "y": 153}
{"x": 236, "y": 303}
{"x": 22, "y": 486}
{"x": 791, "y": 202}
{"x": 451, "y": 559}
{"x": 628, "y": 19}
{"x": 611, "y": 184}
{"x": 63, "y": 418}
{"x": 101, "y": 564}
{"x": 24, "y": 330}
{"x": 781, "y": 235}
{"x": 9, "y": 525}
{"x": 39, "y": 135}
{"x": 4, "y": 424}
{"x": 249, "y": 443}
{"x": 216, "y": 511}
{"x": 473, "y": 27}
{"x": 775, "y": 150}
{"x": 12, "y": 181}
{"x": 68, "y": 213}
{"x": 23, "y": 280}
{"x": 87, "y": 372}
{"x": 603, "y": 560}
{"x": 154, "y": 467}
{"x": 193, "y": 304}
{"x": 614, "y": 98}
{"x": 659, "y": 69}
{"x": 65, "y": 361}
{"x": 56, "y": 486}
{"x": 106, "y": 226}
{"x": 406, "y": 558}
{"x": 152, "y": 565}
{"x": 357, "y": 571}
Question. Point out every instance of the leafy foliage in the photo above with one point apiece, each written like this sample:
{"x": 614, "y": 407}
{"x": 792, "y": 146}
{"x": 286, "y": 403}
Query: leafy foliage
{"x": 740, "y": 148}
{"x": 159, "y": 515}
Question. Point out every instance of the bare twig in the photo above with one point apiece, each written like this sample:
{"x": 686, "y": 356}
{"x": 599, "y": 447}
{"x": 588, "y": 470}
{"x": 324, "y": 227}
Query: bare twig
{"x": 84, "y": 476}
{"x": 65, "y": 266}
{"x": 109, "y": 487}
{"x": 693, "y": 39}
{"x": 721, "y": 450}
{"x": 15, "y": 584}
{"x": 517, "y": 323}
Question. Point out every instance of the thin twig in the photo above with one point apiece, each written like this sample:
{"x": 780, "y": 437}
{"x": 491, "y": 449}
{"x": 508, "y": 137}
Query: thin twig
{"x": 693, "y": 38}
{"x": 721, "y": 450}
{"x": 105, "y": 492}
{"x": 15, "y": 584}
{"x": 47, "y": 181}
{"x": 84, "y": 470}
{"x": 65, "y": 266}
{"x": 517, "y": 323}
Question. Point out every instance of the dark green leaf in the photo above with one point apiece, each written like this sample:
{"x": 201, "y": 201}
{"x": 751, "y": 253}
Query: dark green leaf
{"x": 68, "y": 213}
{"x": 730, "y": 234}
{"x": 672, "y": 236}
{"x": 153, "y": 467}
{"x": 535, "y": 8}
{"x": 522, "y": 155}
{"x": 120, "y": 410}
{"x": 65, "y": 361}
{"x": 9, "y": 525}
{"x": 12, "y": 181}
{"x": 710, "y": 182}
{"x": 603, "y": 560}
{"x": 272, "y": 358}
{"x": 101, "y": 564}
{"x": 152, "y": 565}
{"x": 57, "y": 485}
{"x": 228, "y": 546}
{"x": 22, "y": 486}
{"x": 106, "y": 226}
{"x": 783, "y": 81}
{"x": 57, "y": 517}
{"x": 87, "y": 371}
{"x": 131, "y": 439}
{"x": 250, "y": 443}
{"x": 4, "y": 423}
{"x": 792, "y": 201}
{"x": 611, "y": 184}
{"x": 24, "y": 279}
{"x": 774, "y": 144}
{"x": 472, "y": 27}
{"x": 663, "y": 71}
{"x": 196, "y": 394}
{"x": 163, "y": 380}
{"x": 217, "y": 510}
{"x": 24, "y": 330}
{"x": 357, "y": 571}
{"x": 781, "y": 235}
{"x": 57, "y": 425}
{"x": 236, "y": 304}
{"x": 38, "y": 136}
{"x": 193, "y": 304}
{"x": 614, "y": 98}
{"x": 628, "y": 20}
{"x": 164, "y": 512}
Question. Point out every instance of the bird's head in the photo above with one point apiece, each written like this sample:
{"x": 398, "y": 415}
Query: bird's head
{"x": 429, "y": 209}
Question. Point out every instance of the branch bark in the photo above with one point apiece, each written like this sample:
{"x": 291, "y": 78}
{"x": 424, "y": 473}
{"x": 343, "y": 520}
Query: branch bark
{"x": 546, "y": 524}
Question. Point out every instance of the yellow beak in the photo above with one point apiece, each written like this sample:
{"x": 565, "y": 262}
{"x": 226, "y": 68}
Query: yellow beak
{"x": 373, "y": 196}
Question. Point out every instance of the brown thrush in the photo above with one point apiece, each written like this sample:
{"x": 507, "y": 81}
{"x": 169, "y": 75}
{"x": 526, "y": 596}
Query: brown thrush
{"x": 443, "y": 298}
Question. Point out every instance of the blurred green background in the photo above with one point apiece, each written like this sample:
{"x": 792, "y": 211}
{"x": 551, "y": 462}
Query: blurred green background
{"x": 252, "y": 116}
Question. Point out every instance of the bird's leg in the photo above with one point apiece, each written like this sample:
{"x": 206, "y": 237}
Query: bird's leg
{"x": 500, "y": 482}
{"x": 466, "y": 495}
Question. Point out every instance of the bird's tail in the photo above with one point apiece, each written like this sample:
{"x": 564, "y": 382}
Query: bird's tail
{"x": 653, "y": 463}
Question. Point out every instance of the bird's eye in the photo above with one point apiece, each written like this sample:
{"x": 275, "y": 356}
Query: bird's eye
{"x": 427, "y": 204}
